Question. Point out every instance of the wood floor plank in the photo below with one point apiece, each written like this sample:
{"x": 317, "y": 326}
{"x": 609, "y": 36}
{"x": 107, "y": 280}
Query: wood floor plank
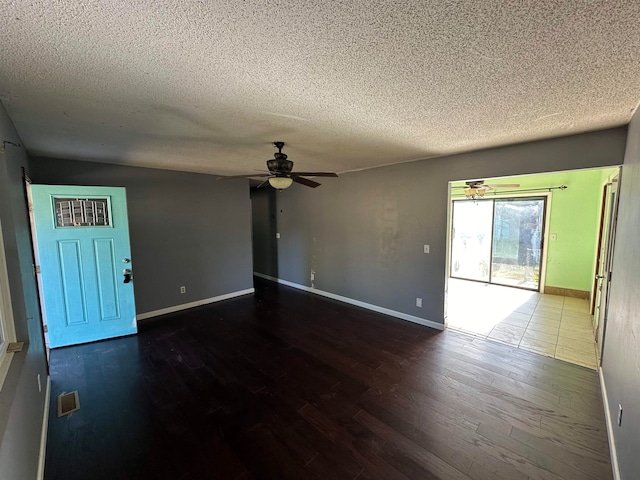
{"x": 593, "y": 465}
{"x": 439, "y": 437}
{"x": 366, "y": 448}
{"x": 284, "y": 384}
{"x": 412, "y": 457}
{"x": 560, "y": 468}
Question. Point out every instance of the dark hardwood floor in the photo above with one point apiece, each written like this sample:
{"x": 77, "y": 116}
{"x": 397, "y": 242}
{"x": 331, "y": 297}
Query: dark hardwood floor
{"x": 289, "y": 385}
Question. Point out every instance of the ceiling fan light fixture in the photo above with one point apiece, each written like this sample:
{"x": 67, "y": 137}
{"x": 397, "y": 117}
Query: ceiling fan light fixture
{"x": 280, "y": 182}
{"x": 474, "y": 193}
{"x": 280, "y": 174}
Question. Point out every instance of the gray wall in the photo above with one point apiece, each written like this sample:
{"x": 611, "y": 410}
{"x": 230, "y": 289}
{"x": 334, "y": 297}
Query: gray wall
{"x": 621, "y": 357}
{"x": 363, "y": 233}
{"x": 21, "y": 404}
{"x": 186, "y": 228}
{"x": 265, "y": 247}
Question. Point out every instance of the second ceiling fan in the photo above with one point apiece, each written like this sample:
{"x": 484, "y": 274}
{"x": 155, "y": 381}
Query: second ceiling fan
{"x": 477, "y": 188}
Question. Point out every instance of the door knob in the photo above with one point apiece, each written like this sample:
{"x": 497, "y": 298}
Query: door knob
{"x": 599, "y": 277}
{"x": 127, "y": 275}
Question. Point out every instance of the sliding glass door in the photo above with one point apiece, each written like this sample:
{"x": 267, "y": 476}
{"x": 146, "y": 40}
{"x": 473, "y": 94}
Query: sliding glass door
{"x": 471, "y": 239}
{"x": 498, "y": 240}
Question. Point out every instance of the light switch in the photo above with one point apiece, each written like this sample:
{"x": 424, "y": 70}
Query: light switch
{"x": 277, "y": 235}
{"x": 426, "y": 249}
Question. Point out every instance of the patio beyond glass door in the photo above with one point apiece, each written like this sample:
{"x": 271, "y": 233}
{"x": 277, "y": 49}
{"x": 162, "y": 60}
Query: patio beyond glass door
{"x": 498, "y": 240}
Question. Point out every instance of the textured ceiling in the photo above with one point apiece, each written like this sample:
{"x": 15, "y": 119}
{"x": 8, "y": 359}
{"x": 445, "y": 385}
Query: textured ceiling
{"x": 205, "y": 86}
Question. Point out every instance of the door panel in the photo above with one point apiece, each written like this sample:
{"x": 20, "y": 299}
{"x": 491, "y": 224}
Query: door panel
{"x": 517, "y": 234}
{"x": 71, "y": 282}
{"x": 106, "y": 277}
{"x": 82, "y": 238}
{"x": 471, "y": 239}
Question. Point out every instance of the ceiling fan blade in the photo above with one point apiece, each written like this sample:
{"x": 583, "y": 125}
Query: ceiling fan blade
{"x": 316, "y": 174}
{"x": 488, "y": 185}
{"x": 305, "y": 181}
{"x": 251, "y": 175}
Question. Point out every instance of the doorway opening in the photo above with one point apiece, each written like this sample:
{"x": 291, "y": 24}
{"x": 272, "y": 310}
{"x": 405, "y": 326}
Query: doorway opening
{"x": 550, "y": 248}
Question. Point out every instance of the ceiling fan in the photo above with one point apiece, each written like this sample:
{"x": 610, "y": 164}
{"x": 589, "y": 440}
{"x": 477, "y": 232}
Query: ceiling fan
{"x": 280, "y": 175}
{"x": 477, "y": 188}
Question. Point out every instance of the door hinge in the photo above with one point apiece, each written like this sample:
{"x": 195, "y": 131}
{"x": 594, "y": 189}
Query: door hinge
{"x": 45, "y": 328}
{"x": 36, "y": 268}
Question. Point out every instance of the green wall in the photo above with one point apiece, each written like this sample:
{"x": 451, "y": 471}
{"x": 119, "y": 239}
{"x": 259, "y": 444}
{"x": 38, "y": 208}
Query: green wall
{"x": 574, "y": 219}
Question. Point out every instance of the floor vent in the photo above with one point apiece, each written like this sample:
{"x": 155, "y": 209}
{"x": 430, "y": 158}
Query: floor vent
{"x": 68, "y": 403}
{"x": 15, "y": 347}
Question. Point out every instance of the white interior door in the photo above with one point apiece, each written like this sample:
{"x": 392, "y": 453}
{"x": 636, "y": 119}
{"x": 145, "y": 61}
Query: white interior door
{"x": 603, "y": 275}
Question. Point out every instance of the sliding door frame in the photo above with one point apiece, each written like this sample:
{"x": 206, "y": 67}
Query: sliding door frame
{"x": 547, "y": 196}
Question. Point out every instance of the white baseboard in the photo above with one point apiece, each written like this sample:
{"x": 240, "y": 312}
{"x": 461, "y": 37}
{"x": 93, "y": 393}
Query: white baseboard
{"x": 358, "y": 303}
{"x": 612, "y": 440}
{"x": 45, "y": 427}
{"x": 198, "y": 303}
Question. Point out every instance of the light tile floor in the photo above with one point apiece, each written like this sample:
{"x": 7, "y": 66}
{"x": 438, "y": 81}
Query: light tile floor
{"x": 551, "y": 325}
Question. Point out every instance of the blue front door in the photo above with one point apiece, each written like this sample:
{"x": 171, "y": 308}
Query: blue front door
{"x": 82, "y": 239}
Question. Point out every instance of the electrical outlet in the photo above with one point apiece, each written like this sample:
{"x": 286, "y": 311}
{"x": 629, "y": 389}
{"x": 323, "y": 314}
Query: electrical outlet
{"x": 619, "y": 415}
{"x": 426, "y": 249}
{"x": 313, "y": 275}
{"x": 277, "y": 235}
{"x": 419, "y": 302}
{"x": 183, "y": 289}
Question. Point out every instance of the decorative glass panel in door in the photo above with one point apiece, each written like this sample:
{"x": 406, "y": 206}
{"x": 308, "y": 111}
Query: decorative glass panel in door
{"x": 517, "y": 238}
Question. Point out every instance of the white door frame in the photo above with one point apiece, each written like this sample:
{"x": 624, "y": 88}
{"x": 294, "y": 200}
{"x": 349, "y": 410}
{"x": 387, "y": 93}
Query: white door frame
{"x": 606, "y": 263}
{"x": 36, "y": 259}
{"x": 7, "y": 326}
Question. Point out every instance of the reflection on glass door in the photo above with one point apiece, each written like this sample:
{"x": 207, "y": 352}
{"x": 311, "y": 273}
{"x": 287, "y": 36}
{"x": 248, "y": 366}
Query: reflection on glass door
{"x": 498, "y": 240}
{"x": 471, "y": 240}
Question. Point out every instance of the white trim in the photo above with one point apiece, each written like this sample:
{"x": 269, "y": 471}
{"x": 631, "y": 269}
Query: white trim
{"x": 45, "y": 427}
{"x": 197, "y": 303}
{"x": 358, "y": 303}
{"x": 612, "y": 440}
{"x": 447, "y": 240}
{"x": 7, "y": 325}
{"x": 36, "y": 259}
{"x": 542, "y": 279}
